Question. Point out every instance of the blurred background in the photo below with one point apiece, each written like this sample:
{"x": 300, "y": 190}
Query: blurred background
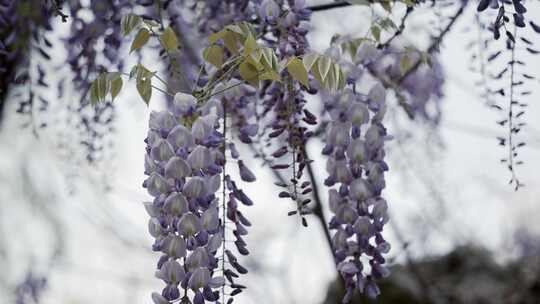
{"x": 459, "y": 232}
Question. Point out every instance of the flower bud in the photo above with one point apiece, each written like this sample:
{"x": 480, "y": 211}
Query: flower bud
{"x": 159, "y": 299}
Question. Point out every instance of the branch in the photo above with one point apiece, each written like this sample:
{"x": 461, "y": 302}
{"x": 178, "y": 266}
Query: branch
{"x": 317, "y": 210}
{"x": 328, "y": 6}
{"x": 394, "y": 84}
{"x": 399, "y": 30}
{"x": 436, "y": 42}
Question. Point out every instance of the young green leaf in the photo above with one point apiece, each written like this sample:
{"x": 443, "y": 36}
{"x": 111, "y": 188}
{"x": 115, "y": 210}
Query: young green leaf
{"x": 116, "y": 84}
{"x": 129, "y": 22}
{"x": 168, "y": 40}
{"x": 144, "y": 87}
{"x": 99, "y": 89}
{"x": 250, "y": 45}
{"x": 376, "y": 32}
{"x": 230, "y": 40}
{"x": 214, "y": 55}
{"x": 268, "y": 56}
{"x": 140, "y": 39}
{"x": 249, "y": 73}
{"x": 139, "y": 71}
{"x": 405, "y": 64}
{"x": 324, "y": 66}
{"x": 309, "y": 60}
{"x": 298, "y": 71}
{"x": 270, "y": 75}
{"x": 387, "y": 5}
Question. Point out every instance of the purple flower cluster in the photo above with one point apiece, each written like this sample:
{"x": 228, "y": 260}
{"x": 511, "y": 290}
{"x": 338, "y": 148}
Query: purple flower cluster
{"x": 30, "y": 289}
{"x": 355, "y": 150}
{"x": 284, "y": 103}
{"x": 23, "y": 29}
{"x": 423, "y": 88}
{"x": 184, "y": 164}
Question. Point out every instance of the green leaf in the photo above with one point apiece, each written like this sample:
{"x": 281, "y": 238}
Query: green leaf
{"x": 236, "y": 29}
{"x": 250, "y": 45}
{"x": 144, "y": 81}
{"x": 140, "y": 39}
{"x": 376, "y": 32}
{"x": 267, "y": 55}
{"x": 426, "y": 58}
{"x": 230, "y": 40}
{"x": 298, "y": 71}
{"x": 324, "y": 66}
{"x": 255, "y": 58}
{"x": 168, "y": 40}
{"x": 214, "y": 55}
{"x": 342, "y": 79}
{"x": 405, "y": 64}
{"x": 99, "y": 89}
{"x": 139, "y": 71}
{"x": 116, "y": 82}
{"x": 387, "y": 24}
{"x": 270, "y": 75}
{"x": 144, "y": 87}
{"x": 309, "y": 60}
{"x": 408, "y": 2}
{"x": 214, "y": 37}
{"x": 338, "y": 76}
{"x": 129, "y": 22}
{"x": 386, "y": 5}
{"x": 249, "y": 73}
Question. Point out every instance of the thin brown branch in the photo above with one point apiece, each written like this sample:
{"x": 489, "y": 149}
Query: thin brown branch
{"x": 434, "y": 46}
{"x": 399, "y": 30}
{"x": 328, "y": 6}
{"x": 317, "y": 209}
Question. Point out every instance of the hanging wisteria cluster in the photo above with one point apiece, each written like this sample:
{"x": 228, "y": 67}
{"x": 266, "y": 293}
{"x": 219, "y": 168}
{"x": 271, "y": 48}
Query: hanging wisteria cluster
{"x": 184, "y": 163}
{"x": 356, "y": 166}
{"x": 242, "y": 73}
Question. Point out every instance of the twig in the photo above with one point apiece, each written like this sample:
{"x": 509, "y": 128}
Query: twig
{"x": 394, "y": 84}
{"x": 436, "y": 42}
{"x": 328, "y": 6}
{"x": 399, "y": 30}
{"x": 317, "y": 209}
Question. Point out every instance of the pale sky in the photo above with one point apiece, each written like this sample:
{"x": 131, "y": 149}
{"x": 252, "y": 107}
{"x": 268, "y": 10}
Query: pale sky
{"x": 108, "y": 257}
